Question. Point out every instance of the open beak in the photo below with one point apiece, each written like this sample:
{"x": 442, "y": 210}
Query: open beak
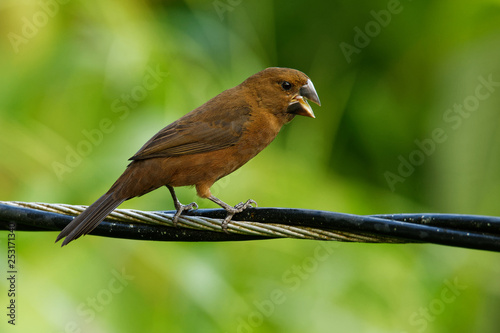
{"x": 299, "y": 104}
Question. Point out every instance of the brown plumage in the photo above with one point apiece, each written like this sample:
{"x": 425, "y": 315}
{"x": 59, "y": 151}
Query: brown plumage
{"x": 207, "y": 144}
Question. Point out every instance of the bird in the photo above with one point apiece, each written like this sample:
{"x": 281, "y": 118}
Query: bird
{"x": 206, "y": 144}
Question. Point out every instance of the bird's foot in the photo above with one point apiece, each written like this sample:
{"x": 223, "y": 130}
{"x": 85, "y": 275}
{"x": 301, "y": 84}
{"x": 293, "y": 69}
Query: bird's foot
{"x": 181, "y": 208}
{"x": 234, "y": 210}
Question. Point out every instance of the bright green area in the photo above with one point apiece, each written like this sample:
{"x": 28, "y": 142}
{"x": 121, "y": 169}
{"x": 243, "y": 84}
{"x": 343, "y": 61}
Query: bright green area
{"x": 66, "y": 69}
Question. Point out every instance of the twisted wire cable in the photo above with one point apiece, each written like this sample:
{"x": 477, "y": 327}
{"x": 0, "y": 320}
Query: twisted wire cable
{"x": 469, "y": 231}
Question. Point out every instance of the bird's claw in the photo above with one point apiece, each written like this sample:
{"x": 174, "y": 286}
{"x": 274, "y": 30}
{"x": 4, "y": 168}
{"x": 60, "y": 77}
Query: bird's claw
{"x": 244, "y": 205}
{"x": 234, "y": 210}
{"x": 191, "y": 206}
{"x": 181, "y": 208}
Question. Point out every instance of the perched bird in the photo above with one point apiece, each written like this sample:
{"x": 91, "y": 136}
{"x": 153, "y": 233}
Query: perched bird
{"x": 207, "y": 144}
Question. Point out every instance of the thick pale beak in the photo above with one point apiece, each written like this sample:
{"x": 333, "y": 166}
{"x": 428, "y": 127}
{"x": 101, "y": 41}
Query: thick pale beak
{"x": 299, "y": 105}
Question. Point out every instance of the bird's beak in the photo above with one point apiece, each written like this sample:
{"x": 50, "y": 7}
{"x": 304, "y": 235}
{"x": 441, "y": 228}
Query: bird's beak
{"x": 299, "y": 105}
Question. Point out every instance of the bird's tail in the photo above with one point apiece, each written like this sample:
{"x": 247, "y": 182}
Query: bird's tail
{"x": 89, "y": 218}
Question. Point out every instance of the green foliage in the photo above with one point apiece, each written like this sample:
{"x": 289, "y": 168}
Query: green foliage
{"x": 85, "y": 84}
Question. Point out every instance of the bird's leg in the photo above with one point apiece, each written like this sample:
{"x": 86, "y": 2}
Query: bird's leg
{"x": 178, "y": 206}
{"x": 231, "y": 210}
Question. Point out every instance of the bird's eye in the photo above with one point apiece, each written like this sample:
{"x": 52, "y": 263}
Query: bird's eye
{"x": 286, "y": 85}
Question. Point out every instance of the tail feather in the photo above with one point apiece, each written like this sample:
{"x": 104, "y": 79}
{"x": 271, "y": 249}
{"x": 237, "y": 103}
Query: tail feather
{"x": 89, "y": 218}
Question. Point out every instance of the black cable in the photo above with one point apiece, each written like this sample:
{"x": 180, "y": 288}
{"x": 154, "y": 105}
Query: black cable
{"x": 468, "y": 231}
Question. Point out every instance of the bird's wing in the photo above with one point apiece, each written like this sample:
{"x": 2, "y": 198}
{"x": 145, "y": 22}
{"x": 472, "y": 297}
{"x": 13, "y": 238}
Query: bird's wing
{"x": 200, "y": 131}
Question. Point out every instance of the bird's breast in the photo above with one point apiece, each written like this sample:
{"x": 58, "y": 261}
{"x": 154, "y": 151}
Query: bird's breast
{"x": 261, "y": 131}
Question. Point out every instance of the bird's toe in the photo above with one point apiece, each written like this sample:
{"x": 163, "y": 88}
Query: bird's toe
{"x": 182, "y": 208}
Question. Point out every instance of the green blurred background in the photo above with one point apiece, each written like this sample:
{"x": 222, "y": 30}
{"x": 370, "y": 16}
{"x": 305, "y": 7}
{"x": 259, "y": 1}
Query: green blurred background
{"x": 75, "y": 70}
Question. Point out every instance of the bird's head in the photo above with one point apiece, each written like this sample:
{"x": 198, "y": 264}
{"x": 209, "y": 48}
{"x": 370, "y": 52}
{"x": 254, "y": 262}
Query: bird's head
{"x": 284, "y": 91}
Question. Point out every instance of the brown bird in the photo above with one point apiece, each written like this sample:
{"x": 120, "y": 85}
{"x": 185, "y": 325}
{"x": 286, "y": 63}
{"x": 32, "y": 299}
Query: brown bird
{"x": 207, "y": 144}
